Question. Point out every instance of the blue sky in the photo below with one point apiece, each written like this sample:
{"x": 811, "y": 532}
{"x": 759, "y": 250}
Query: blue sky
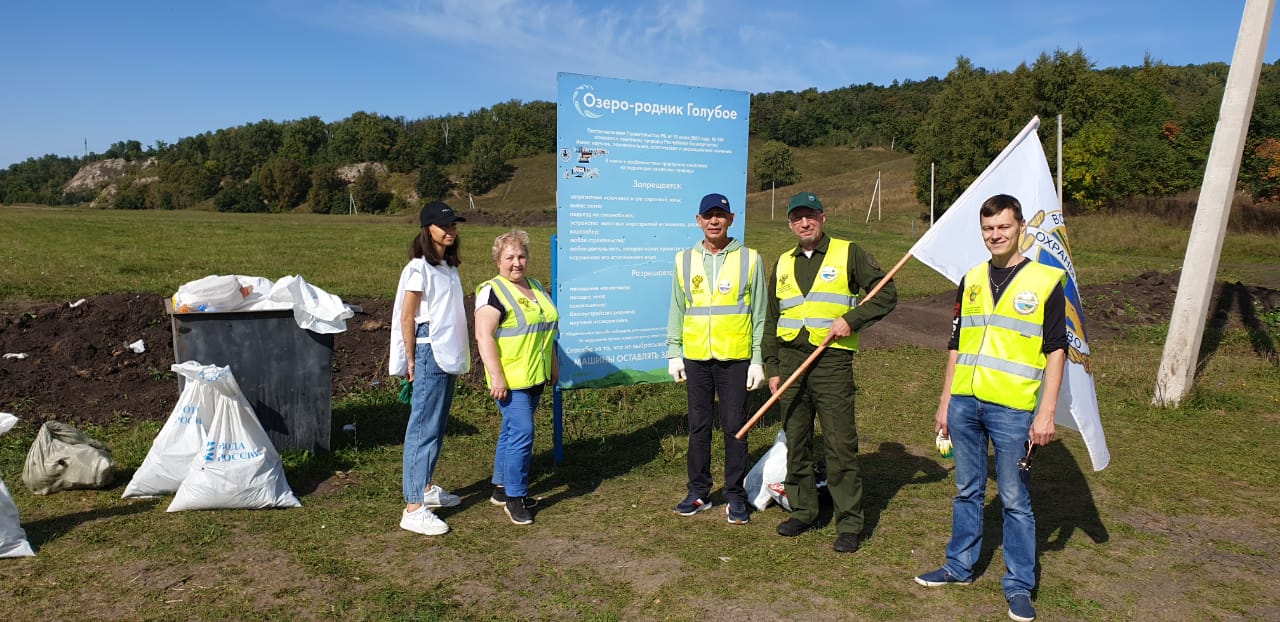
{"x": 148, "y": 70}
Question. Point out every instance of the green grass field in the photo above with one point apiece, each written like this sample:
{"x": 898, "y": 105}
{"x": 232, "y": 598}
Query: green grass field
{"x": 1181, "y": 526}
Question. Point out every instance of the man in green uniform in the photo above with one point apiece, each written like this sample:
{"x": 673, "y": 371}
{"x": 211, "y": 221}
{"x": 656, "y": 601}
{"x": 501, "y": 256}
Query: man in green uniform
{"x": 814, "y": 293}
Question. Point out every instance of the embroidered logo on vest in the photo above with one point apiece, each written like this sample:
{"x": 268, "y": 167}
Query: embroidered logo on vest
{"x": 1026, "y": 303}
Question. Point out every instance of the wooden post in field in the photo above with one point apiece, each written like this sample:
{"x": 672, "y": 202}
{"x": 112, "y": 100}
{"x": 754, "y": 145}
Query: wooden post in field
{"x": 1200, "y": 265}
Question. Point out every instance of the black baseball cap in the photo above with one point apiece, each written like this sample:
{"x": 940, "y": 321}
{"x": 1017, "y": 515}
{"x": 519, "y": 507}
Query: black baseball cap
{"x": 438, "y": 213}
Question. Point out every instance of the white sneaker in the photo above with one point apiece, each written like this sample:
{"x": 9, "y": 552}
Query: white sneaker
{"x": 423, "y": 521}
{"x": 436, "y": 497}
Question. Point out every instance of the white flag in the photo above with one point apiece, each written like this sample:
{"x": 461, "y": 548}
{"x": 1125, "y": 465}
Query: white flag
{"x": 954, "y": 244}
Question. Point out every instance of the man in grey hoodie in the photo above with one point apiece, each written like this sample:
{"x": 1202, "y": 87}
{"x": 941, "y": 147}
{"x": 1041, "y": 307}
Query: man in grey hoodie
{"x": 714, "y": 327}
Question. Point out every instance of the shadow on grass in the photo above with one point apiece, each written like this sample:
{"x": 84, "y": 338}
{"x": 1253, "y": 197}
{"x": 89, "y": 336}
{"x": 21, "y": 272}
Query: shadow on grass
{"x": 46, "y": 530}
{"x": 1235, "y": 295}
{"x": 588, "y": 462}
{"x": 383, "y": 423}
{"x": 886, "y": 472}
{"x": 1062, "y": 501}
{"x": 376, "y": 423}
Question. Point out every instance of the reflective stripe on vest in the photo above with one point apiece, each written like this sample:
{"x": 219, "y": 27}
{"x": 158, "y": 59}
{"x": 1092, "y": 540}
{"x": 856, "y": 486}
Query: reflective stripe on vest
{"x": 526, "y": 334}
{"x": 828, "y": 298}
{"x": 717, "y": 314}
{"x": 1000, "y": 354}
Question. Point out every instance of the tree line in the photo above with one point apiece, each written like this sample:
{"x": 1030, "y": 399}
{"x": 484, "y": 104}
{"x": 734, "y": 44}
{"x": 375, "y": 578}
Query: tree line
{"x": 1128, "y": 131}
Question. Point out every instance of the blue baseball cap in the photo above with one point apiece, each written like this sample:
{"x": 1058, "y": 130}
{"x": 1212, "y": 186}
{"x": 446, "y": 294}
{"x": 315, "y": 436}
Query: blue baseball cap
{"x": 713, "y": 201}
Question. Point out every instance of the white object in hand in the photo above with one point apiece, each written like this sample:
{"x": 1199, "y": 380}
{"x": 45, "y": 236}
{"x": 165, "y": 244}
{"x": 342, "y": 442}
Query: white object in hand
{"x": 944, "y": 444}
{"x": 755, "y": 376}
{"x": 675, "y": 367}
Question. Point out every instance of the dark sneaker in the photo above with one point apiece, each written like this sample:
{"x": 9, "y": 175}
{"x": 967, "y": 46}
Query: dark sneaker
{"x": 847, "y": 543}
{"x": 691, "y": 505}
{"x": 499, "y": 497}
{"x": 517, "y": 511}
{"x": 1020, "y": 608}
{"x": 940, "y": 577}
{"x": 737, "y": 513}
{"x": 793, "y": 527}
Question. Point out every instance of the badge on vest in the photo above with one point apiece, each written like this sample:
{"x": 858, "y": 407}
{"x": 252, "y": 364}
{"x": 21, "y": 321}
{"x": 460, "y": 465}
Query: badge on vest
{"x": 1026, "y": 303}
{"x": 973, "y": 292}
{"x": 724, "y": 287}
{"x": 697, "y": 284}
{"x": 828, "y": 273}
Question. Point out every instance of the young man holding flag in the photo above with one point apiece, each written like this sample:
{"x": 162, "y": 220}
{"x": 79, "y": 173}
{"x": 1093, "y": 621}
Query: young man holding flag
{"x": 1004, "y": 370}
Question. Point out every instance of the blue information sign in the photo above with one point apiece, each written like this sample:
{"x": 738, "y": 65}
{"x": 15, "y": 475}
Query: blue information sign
{"x": 634, "y": 160}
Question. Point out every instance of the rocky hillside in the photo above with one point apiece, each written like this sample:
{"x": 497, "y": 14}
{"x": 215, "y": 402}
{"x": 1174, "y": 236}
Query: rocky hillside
{"x": 95, "y": 175}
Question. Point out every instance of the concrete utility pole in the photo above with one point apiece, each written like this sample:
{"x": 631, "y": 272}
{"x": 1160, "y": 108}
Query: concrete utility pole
{"x": 1200, "y": 265}
{"x": 1060, "y": 205}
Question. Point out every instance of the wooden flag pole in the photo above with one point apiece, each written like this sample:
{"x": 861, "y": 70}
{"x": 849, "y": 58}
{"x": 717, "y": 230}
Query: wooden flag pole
{"x": 795, "y": 375}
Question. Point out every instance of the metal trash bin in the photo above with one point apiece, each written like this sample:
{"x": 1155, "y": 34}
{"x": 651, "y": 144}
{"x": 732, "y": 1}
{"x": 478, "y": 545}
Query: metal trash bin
{"x": 285, "y": 372}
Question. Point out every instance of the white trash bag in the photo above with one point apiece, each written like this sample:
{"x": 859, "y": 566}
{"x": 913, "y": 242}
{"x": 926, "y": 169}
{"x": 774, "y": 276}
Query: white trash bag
{"x": 313, "y": 308}
{"x": 216, "y": 292}
{"x": 13, "y": 540}
{"x": 764, "y": 480}
{"x": 182, "y": 436}
{"x": 238, "y": 467}
{"x": 767, "y": 479}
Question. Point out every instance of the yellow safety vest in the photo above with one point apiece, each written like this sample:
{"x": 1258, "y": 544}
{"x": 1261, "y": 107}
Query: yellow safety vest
{"x": 1001, "y": 358}
{"x": 717, "y": 316}
{"x": 828, "y": 298}
{"x": 526, "y": 335}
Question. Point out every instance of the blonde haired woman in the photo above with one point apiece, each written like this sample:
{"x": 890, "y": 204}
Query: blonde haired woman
{"x": 515, "y": 332}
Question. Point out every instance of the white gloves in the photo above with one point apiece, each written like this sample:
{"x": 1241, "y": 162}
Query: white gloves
{"x": 755, "y": 376}
{"x": 675, "y": 367}
{"x": 755, "y": 373}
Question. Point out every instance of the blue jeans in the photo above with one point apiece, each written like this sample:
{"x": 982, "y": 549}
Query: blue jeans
{"x": 514, "y": 453}
{"x": 428, "y": 415}
{"x": 971, "y": 423}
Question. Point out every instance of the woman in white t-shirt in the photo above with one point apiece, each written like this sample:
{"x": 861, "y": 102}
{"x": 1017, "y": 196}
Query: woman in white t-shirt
{"x": 429, "y": 347}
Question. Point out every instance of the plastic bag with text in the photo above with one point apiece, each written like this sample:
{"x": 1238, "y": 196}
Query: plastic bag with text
{"x": 238, "y": 467}
{"x": 182, "y": 436}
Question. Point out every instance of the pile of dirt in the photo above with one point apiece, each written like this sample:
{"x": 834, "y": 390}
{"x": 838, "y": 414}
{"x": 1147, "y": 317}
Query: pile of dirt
{"x": 79, "y": 368}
